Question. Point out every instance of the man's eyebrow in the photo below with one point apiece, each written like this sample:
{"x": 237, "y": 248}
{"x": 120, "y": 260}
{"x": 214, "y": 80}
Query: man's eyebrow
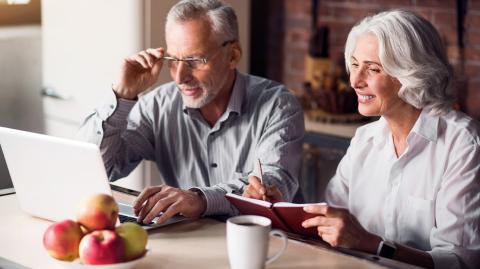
{"x": 193, "y": 55}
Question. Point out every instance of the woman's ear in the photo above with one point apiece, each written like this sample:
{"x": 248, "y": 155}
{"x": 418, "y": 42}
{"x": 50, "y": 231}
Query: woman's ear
{"x": 236, "y": 55}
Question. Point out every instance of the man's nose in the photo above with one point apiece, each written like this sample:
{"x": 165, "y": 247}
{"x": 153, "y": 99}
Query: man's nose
{"x": 182, "y": 73}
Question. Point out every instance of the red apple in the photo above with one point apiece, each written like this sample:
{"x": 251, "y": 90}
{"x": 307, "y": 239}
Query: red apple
{"x": 61, "y": 240}
{"x": 135, "y": 239}
{"x": 102, "y": 247}
{"x": 98, "y": 212}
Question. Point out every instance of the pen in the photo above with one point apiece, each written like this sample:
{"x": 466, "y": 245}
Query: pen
{"x": 260, "y": 171}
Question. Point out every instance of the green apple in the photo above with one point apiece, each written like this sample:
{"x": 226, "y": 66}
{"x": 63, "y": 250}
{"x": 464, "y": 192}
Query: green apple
{"x": 134, "y": 238}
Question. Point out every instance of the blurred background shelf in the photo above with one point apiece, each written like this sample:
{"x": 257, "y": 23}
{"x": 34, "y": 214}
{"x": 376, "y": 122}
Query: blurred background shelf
{"x": 325, "y": 144}
{"x": 333, "y": 127}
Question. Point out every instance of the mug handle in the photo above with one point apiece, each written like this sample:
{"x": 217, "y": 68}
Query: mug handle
{"x": 280, "y": 252}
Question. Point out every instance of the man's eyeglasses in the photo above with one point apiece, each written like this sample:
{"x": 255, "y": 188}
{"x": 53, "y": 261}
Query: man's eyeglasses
{"x": 194, "y": 63}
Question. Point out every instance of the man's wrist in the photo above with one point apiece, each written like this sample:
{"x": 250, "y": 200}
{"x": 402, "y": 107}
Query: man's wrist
{"x": 203, "y": 200}
{"x": 124, "y": 94}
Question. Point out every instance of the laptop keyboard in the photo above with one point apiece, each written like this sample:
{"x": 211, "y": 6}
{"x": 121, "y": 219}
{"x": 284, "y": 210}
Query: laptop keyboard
{"x": 124, "y": 218}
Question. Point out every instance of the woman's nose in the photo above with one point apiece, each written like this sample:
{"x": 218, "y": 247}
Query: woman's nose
{"x": 357, "y": 79}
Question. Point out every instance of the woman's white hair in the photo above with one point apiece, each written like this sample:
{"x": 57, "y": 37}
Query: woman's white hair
{"x": 222, "y": 17}
{"x": 411, "y": 50}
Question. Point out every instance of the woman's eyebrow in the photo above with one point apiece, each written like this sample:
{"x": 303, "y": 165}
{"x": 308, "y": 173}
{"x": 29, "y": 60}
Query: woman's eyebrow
{"x": 372, "y": 62}
{"x": 366, "y": 62}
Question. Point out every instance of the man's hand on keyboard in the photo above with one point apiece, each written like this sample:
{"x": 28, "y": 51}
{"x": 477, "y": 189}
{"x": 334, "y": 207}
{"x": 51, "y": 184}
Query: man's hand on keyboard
{"x": 156, "y": 199}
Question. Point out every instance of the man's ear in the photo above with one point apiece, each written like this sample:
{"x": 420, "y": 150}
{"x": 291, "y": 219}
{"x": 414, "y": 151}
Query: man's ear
{"x": 236, "y": 54}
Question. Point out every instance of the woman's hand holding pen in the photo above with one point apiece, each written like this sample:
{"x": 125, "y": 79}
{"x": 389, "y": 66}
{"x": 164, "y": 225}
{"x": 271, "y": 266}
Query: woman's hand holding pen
{"x": 256, "y": 190}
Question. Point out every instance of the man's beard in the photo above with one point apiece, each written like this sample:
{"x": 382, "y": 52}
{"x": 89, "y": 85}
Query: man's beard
{"x": 198, "y": 102}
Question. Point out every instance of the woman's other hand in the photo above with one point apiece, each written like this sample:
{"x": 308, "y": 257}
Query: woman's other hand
{"x": 339, "y": 228}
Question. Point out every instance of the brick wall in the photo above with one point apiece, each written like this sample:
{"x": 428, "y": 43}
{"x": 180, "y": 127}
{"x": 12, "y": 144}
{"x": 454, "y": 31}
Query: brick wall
{"x": 341, "y": 15}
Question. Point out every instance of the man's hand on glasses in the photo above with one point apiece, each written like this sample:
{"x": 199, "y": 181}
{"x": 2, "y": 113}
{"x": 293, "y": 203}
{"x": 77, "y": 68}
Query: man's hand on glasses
{"x": 138, "y": 73}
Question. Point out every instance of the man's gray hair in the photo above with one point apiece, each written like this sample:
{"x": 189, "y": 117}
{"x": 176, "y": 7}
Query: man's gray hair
{"x": 222, "y": 17}
{"x": 411, "y": 50}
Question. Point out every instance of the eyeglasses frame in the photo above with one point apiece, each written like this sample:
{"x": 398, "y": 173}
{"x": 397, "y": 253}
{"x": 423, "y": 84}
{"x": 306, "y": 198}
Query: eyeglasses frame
{"x": 203, "y": 60}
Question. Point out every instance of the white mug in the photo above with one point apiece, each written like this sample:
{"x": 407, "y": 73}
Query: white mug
{"x": 248, "y": 240}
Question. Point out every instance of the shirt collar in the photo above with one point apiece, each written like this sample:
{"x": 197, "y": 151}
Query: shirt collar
{"x": 236, "y": 98}
{"x": 380, "y": 131}
{"x": 238, "y": 95}
{"x": 426, "y": 127}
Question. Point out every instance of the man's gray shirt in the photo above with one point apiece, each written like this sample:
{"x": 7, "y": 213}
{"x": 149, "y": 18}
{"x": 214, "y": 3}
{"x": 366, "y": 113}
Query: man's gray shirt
{"x": 263, "y": 121}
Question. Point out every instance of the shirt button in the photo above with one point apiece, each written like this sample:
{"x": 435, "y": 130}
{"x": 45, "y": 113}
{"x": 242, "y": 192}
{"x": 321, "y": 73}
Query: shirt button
{"x": 214, "y": 165}
{"x": 99, "y": 132}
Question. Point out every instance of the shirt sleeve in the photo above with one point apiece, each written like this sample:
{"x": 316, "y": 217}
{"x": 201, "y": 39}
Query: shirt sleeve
{"x": 91, "y": 129}
{"x": 279, "y": 148}
{"x": 217, "y": 204}
{"x": 337, "y": 190}
{"x": 455, "y": 239}
{"x": 119, "y": 129}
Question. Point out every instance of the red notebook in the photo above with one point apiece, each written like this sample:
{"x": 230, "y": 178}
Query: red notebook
{"x": 285, "y": 216}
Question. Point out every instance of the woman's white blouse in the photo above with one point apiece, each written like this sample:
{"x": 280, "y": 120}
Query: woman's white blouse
{"x": 428, "y": 198}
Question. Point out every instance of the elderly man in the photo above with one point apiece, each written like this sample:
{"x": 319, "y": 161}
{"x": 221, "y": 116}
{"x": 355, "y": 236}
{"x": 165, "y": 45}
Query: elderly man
{"x": 207, "y": 128}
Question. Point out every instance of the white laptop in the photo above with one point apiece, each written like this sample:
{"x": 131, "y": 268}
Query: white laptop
{"x": 52, "y": 175}
{"x": 6, "y": 186}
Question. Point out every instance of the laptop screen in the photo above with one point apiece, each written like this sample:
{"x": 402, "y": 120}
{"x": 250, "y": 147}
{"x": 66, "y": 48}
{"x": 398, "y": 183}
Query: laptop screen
{"x": 6, "y": 185}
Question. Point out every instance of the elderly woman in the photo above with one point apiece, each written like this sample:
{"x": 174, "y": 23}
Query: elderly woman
{"x": 409, "y": 186}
